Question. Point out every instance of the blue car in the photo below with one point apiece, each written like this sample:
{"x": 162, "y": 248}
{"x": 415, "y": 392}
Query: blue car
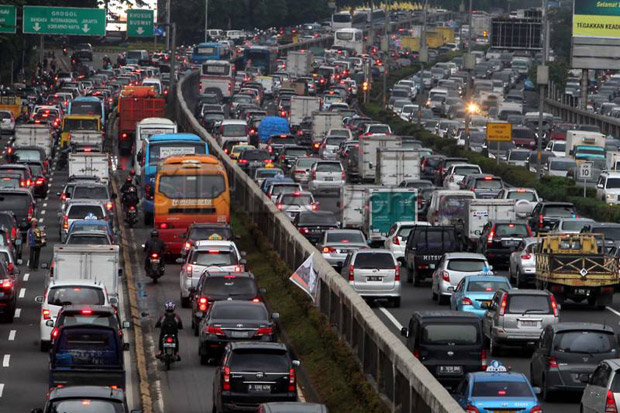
{"x": 91, "y": 225}
{"x": 475, "y": 290}
{"x": 497, "y": 390}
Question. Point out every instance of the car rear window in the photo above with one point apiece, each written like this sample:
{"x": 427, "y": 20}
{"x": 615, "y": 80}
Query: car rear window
{"x": 251, "y": 155}
{"x": 466, "y": 170}
{"x": 93, "y": 405}
{"x": 83, "y": 211}
{"x": 230, "y": 286}
{"x": 88, "y": 240}
{"x": 345, "y": 237}
{"x": 527, "y": 195}
{"x": 466, "y": 265}
{"x": 208, "y": 233}
{"x": 531, "y": 304}
{"x": 519, "y": 156}
{"x": 214, "y": 258}
{"x": 433, "y": 239}
{"x": 298, "y": 200}
{"x": 234, "y": 130}
{"x": 610, "y": 233}
{"x": 86, "y": 192}
{"x": 559, "y": 211}
{"x": 450, "y": 333}
{"x": 75, "y": 295}
{"x": 488, "y": 183}
{"x": 9, "y": 182}
{"x": 295, "y": 152}
{"x": 328, "y": 167}
{"x": 501, "y": 389}
{"x": 278, "y": 189}
{"x": 586, "y": 342}
{"x": 259, "y": 360}
{"x": 239, "y": 312}
{"x": 306, "y": 163}
{"x": 334, "y": 141}
{"x": 14, "y": 202}
{"x": 27, "y": 155}
{"x": 371, "y": 260}
{"x": 511, "y": 230}
{"x": 486, "y": 286}
{"x": 317, "y": 219}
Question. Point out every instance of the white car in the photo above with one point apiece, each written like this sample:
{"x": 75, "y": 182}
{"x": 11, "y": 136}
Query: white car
{"x": 326, "y": 175}
{"x": 452, "y": 268}
{"x": 219, "y": 256}
{"x": 7, "y": 121}
{"x": 608, "y": 187}
{"x": 457, "y": 172}
{"x": 60, "y": 293}
{"x": 292, "y": 203}
{"x": 396, "y": 240}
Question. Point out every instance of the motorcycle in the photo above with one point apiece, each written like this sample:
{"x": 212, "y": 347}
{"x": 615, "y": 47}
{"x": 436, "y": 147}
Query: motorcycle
{"x": 155, "y": 268}
{"x": 63, "y": 159}
{"x": 65, "y": 51}
{"x": 169, "y": 346}
{"x": 131, "y": 216}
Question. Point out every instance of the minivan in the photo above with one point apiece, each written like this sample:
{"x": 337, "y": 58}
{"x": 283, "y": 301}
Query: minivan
{"x": 425, "y": 247}
{"x": 373, "y": 273}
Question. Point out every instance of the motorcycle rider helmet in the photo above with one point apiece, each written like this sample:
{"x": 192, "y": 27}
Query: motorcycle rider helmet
{"x": 170, "y": 306}
{"x": 154, "y": 234}
{"x": 132, "y": 172}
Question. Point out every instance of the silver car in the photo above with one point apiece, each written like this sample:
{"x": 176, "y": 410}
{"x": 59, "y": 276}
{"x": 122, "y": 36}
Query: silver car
{"x": 602, "y": 389}
{"x": 329, "y": 147}
{"x": 326, "y": 176}
{"x": 374, "y": 273}
{"x": 300, "y": 172}
{"x": 452, "y": 268}
{"x": 337, "y": 243}
{"x": 518, "y": 317}
{"x": 522, "y": 263}
{"x": 292, "y": 203}
{"x": 570, "y": 225}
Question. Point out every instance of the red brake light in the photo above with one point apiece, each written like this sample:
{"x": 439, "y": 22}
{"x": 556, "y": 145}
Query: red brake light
{"x": 154, "y": 255}
{"x": 552, "y": 362}
{"x": 188, "y": 245}
{"x": 540, "y": 220}
{"x": 256, "y": 300}
{"x": 351, "y": 273}
{"x": 189, "y": 268}
{"x": 536, "y": 409}
{"x": 610, "y": 403}
{"x": 109, "y": 205}
{"x": 526, "y": 256}
{"x": 327, "y": 250}
{"x": 217, "y": 330}
{"x": 226, "y": 378}
{"x": 397, "y": 273}
{"x": 471, "y": 409}
{"x": 466, "y": 301}
{"x": 483, "y": 359}
{"x": 86, "y": 311}
{"x": 445, "y": 275}
{"x": 502, "y": 307}
{"x": 396, "y": 240}
{"x": 65, "y": 222}
{"x": 203, "y": 304}
{"x": 291, "y": 380}
{"x": 263, "y": 331}
{"x": 8, "y": 284}
{"x": 163, "y": 225}
{"x": 554, "y": 306}
{"x": 491, "y": 236}
{"x": 54, "y": 332}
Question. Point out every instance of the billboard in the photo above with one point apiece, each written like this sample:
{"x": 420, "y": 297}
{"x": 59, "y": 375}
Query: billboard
{"x": 593, "y": 18}
{"x": 510, "y": 33}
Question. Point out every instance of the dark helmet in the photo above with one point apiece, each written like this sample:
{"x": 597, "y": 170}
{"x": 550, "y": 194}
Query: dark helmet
{"x": 170, "y": 306}
{"x": 154, "y": 234}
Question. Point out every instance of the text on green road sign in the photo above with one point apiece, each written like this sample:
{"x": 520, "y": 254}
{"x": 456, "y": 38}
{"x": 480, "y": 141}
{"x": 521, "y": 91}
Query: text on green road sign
{"x": 64, "y": 21}
{"x": 8, "y": 19}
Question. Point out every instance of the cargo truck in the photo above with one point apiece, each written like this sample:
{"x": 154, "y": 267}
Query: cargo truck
{"x": 385, "y": 206}
{"x": 396, "y": 165}
{"x": 299, "y": 63}
{"x": 585, "y": 145}
{"x": 90, "y": 164}
{"x": 134, "y": 105}
{"x": 322, "y": 122}
{"x": 352, "y": 200}
{"x": 367, "y": 155}
{"x": 86, "y": 140}
{"x": 477, "y": 212}
{"x": 34, "y": 135}
{"x": 302, "y": 107}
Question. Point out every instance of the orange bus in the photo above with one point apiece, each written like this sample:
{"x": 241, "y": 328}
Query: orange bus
{"x": 189, "y": 188}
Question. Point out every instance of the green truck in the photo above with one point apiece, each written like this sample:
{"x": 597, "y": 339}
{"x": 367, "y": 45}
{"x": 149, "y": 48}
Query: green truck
{"x": 385, "y": 206}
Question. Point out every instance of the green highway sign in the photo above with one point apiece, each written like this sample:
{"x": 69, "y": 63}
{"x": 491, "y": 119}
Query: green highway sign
{"x": 140, "y": 23}
{"x": 73, "y": 21}
{"x": 8, "y": 19}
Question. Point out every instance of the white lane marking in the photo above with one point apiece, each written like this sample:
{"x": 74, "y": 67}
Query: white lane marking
{"x": 1, "y": 389}
{"x": 390, "y": 317}
{"x": 43, "y": 212}
{"x": 12, "y": 335}
{"x": 613, "y": 311}
{"x": 5, "y": 360}
{"x": 47, "y": 197}
{"x": 44, "y": 204}
{"x": 41, "y": 221}
{"x": 26, "y": 276}
{"x": 51, "y": 179}
{"x": 22, "y": 292}
{"x": 18, "y": 312}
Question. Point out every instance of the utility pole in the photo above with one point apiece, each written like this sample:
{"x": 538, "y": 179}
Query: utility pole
{"x": 371, "y": 32}
{"x": 167, "y": 24}
{"x": 206, "y": 20}
{"x": 469, "y": 65}
{"x": 542, "y": 78}
{"x": 386, "y": 51}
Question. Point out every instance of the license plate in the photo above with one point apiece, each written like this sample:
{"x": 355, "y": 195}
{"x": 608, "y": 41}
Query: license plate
{"x": 450, "y": 370}
{"x": 169, "y": 345}
{"x": 259, "y": 388}
{"x": 154, "y": 259}
{"x": 504, "y": 411}
{"x": 431, "y": 266}
{"x": 487, "y": 302}
{"x": 526, "y": 323}
{"x": 374, "y": 278}
{"x": 582, "y": 291}
{"x": 239, "y": 334}
{"x": 2, "y": 294}
{"x": 329, "y": 179}
{"x": 510, "y": 243}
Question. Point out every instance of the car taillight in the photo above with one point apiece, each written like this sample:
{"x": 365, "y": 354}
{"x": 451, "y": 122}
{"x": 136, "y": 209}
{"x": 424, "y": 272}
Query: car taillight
{"x": 109, "y": 205}
{"x": 316, "y": 145}
{"x": 279, "y": 205}
{"x": 540, "y": 220}
{"x": 397, "y": 273}
{"x": 165, "y": 225}
{"x": 189, "y": 269}
{"x": 328, "y": 250}
{"x": 264, "y": 331}
{"x": 502, "y": 307}
{"x": 471, "y": 409}
{"x": 416, "y": 353}
{"x": 217, "y": 330}
{"x": 304, "y": 230}
{"x": 313, "y": 174}
{"x": 63, "y": 196}
{"x": 351, "y": 273}
{"x": 466, "y": 301}
{"x": 10, "y": 268}
{"x": 536, "y": 409}
{"x": 314, "y": 206}
{"x": 445, "y": 275}
{"x": 483, "y": 359}
{"x": 551, "y": 362}
{"x": 242, "y": 161}
{"x": 65, "y": 222}
{"x": 54, "y": 333}
{"x": 226, "y": 378}
{"x": 7, "y": 283}
{"x": 13, "y": 233}
{"x": 610, "y": 403}
{"x": 343, "y": 176}
{"x": 46, "y": 314}
{"x": 203, "y": 304}
{"x": 188, "y": 245}
{"x": 526, "y": 256}
{"x": 491, "y": 236}
{"x": 529, "y": 230}
{"x": 396, "y": 240}
{"x": 124, "y": 136}
{"x": 291, "y": 380}
{"x": 39, "y": 181}
{"x": 22, "y": 183}
{"x": 255, "y": 300}
{"x": 238, "y": 268}
{"x": 554, "y": 306}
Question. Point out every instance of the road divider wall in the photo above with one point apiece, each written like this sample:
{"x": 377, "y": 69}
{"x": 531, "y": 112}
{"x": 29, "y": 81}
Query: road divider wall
{"x": 396, "y": 374}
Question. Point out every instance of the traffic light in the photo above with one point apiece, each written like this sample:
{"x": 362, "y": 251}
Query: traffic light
{"x": 365, "y": 86}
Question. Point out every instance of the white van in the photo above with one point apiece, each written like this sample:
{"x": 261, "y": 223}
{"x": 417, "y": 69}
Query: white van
{"x": 148, "y": 127}
{"x": 446, "y": 206}
{"x": 155, "y": 83}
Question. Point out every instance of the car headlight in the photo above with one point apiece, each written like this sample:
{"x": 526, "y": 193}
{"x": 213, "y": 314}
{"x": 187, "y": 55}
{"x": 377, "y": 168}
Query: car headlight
{"x": 611, "y": 196}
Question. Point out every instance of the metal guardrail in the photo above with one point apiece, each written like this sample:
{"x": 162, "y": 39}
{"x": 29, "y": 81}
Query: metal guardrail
{"x": 608, "y": 125}
{"x": 395, "y": 373}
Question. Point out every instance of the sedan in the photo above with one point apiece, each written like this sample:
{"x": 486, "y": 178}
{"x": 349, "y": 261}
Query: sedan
{"x": 474, "y": 291}
{"x": 233, "y": 320}
{"x": 451, "y": 269}
{"x": 337, "y": 243}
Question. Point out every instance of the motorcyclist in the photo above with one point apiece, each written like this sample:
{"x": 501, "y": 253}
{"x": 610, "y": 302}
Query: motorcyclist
{"x": 169, "y": 323}
{"x": 128, "y": 182}
{"x": 129, "y": 195}
{"x": 153, "y": 246}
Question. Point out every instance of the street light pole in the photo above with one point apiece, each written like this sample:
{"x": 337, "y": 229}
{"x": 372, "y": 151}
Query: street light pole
{"x": 386, "y": 63}
{"x": 206, "y": 19}
{"x": 167, "y": 24}
{"x": 542, "y": 79}
{"x": 467, "y": 62}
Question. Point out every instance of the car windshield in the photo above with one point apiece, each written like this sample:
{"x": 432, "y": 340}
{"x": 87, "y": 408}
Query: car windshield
{"x": 75, "y": 295}
{"x": 85, "y": 405}
{"x": 298, "y": 200}
{"x": 502, "y": 389}
{"x": 450, "y": 333}
{"x": 90, "y": 192}
{"x": 345, "y": 237}
{"x": 486, "y": 286}
{"x": 466, "y": 265}
{"x": 230, "y": 286}
{"x": 214, "y": 258}
{"x": 519, "y": 156}
{"x": 259, "y": 360}
{"x": 559, "y": 211}
{"x": 374, "y": 260}
{"x": 93, "y": 318}
{"x": 613, "y": 183}
{"x": 587, "y": 342}
{"x": 85, "y": 211}
{"x": 334, "y": 141}
{"x": 511, "y": 230}
{"x": 488, "y": 183}
{"x": 527, "y": 195}
{"x": 87, "y": 240}
{"x": 523, "y": 303}
{"x": 239, "y": 312}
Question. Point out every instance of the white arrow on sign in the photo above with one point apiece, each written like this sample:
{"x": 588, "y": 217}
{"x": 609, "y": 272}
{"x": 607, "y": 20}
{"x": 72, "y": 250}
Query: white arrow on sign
{"x": 85, "y": 29}
{"x": 139, "y": 30}
{"x": 36, "y": 27}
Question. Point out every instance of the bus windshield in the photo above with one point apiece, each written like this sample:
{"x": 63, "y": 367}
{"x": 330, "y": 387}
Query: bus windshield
{"x": 192, "y": 186}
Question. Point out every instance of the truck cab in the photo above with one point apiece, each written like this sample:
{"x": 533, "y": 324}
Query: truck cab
{"x": 608, "y": 187}
{"x": 78, "y": 123}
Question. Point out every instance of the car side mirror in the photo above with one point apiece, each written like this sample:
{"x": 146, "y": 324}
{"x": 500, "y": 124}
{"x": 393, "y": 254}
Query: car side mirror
{"x": 275, "y": 316}
{"x": 59, "y": 214}
{"x": 179, "y": 260}
{"x": 120, "y": 272}
{"x": 49, "y": 323}
{"x": 38, "y": 299}
{"x": 262, "y": 290}
{"x": 126, "y": 324}
{"x": 114, "y": 301}
{"x": 537, "y": 390}
{"x": 404, "y": 332}
{"x": 58, "y": 194}
{"x": 243, "y": 254}
{"x": 296, "y": 363}
{"x": 599, "y": 186}
{"x": 242, "y": 262}
{"x": 20, "y": 261}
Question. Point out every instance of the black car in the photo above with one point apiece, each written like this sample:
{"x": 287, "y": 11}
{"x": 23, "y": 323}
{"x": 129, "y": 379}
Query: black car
{"x": 211, "y": 119}
{"x": 8, "y": 293}
{"x": 292, "y": 407}
{"x": 288, "y": 155}
{"x": 228, "y": 321}
{"x": 87, "y": 314}
{"x": 218, "y": 286}
{"x": 500, "y": 238}
{"x": 567, "y": 353}
{"x": 39, "y": 179}
{"x": 546, "y": 214}
{"x": 23, "y": 205}
{"x": 251, "y": 159}
{"x": 313, "y": 224}
{"x": 85, "y": 399}
{"x": 253, "y": 373}
{"x": 425, "y": 247}
{"x": 276, "y": 142}
{"x": 450, "y": 344}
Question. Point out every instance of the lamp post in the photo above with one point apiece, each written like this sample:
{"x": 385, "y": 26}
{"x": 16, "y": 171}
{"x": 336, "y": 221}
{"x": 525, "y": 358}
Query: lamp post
{"x": 206, "y": 20}
{"x": 542, "y": 78}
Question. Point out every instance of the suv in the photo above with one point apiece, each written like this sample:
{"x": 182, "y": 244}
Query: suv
{"x": 602, "y": 393}
{"x": 565, "y": 345}
{"x": 498, "y": 239}
{"x": 21, "y": 202}
{"x": 289, "y": 154}
{"x": 326, "y": 175}
{"x": 430, "y": 166}
{"x": 8, "y": 221}
{"x": 441, "y": 169}
{"x": 221, "y": 286}
{"x": 608, "y": 187}
{"x": 450, "y": 344}
{"x": 292, "y": 203}
{"x": 373, "y": 273}
{"x": 484, "y": 186}
{"x": 609, "y": 230}
{"x": 252, "y": 373}
{"x": 518, "y": 317}
{"x": 80, "y": 209}
{"x": 397, "y": 238}
{"x": 546, "y": 214}
{"x": 425, "y": 247}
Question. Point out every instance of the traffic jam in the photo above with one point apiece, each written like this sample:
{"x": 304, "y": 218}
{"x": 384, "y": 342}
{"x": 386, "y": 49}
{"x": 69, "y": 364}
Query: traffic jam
{"x": 505, "y": 297}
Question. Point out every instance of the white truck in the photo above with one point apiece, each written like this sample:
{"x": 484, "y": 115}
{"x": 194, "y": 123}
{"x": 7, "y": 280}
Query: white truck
{"x": 322, "y": 122}
{"x": 90, "y": 164}
{"x": 99, "y": 263}
{"x": 396, "y": 165}
{"x": 302, "y": 107}
{"x": 34, "y": 135}
{"x": 477, "y": 212}
{"x": 582, "y": 145}
{"x": 352, "y": 200}
{"x": 367, "y": 154}
{"x": 86, "y": 138}
{"x": 612, "y": 160}
{"x": 299, "y": 63}
{"x": 148, "y": 127}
